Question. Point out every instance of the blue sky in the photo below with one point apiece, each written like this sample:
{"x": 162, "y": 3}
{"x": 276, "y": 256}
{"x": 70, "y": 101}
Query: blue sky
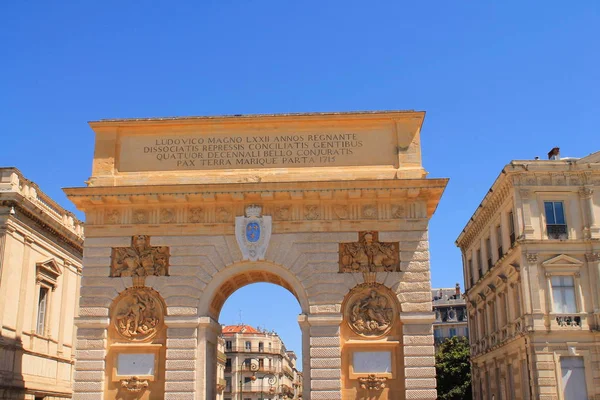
{"x": 499, "y": 81}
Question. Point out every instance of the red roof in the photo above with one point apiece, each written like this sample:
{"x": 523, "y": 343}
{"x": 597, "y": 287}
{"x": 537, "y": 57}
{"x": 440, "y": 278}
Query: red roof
{"x": 239, "y": 329}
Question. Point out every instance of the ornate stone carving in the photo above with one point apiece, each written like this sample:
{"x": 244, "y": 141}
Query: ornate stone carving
{"x": 223, "y": 215}
{"x": 140, "y": 259}
{"x": 372, "y": 382}
{"x": 369, "y": 254}
{"x": 253, "y": 233}
{"x": 531, "y": 258}
{"x": 398, "y": 211}
{"x": 134, "y": 384}
{"x": 196, "y": 215}
{"x": 283, "y": 213}
{"x": 140, "y": 216}
{"x": 341, "y": 211}
{"x": 167, "y": 215}
{"x": 311, "y": 212}
{"x": 586, "y": 192}
{"x": 113, "y": 216}
{"x": 591, "y": 257}
{"x": 369, "y": 211}
{"x": 138, "y": 314}
{"x": 370, "y": 311}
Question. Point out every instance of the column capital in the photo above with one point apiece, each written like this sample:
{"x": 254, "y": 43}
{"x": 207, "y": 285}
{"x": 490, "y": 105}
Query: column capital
{"x": 591, "y": 257}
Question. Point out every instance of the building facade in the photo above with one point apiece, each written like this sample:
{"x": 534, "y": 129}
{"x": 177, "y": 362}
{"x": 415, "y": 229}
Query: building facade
{"x": 40, "y": 269}
{"x": 258, "y": 366}
{"x": 531, "y": 256}
{"x": 450, "y": 311}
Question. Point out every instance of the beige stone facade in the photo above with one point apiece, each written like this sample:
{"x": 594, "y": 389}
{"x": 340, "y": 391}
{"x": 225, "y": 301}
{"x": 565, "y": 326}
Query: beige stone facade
{"x": 258, "y": 366}
{"x": 451, "y": 315}
{"x": 181, "y": 212}
{"x": 532, "y": 273}
{"x": 41, "y": 248}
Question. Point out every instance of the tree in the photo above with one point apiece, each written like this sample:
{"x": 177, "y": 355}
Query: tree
{"x": 453, "y": 369}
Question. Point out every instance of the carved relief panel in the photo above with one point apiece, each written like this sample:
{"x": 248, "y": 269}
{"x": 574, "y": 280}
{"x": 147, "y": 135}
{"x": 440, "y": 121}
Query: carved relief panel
{"x": 138, "y": 314}
{"x": 140, "y": 259}
{"x": 370, "y": 311}
{"x": 369, "y": 255}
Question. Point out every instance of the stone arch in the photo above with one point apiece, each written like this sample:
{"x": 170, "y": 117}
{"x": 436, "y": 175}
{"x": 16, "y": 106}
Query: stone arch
{"x": 240, "y": 274}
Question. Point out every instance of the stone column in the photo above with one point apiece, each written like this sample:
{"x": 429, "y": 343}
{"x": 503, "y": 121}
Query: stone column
{"x": 306, "y": 372}
{"x": 182, "y": 369}
{"x": 325, "y": 357}
{"x": 527, "y": 227}
{"x": 590, "y": 230}
{"x": 593, "y": 260}
{"x": 90, "y": 362}
{"x": 419, "y": 355}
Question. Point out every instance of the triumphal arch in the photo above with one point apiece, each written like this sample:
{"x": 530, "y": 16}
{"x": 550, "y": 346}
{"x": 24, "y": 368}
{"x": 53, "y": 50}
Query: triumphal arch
{"x": 181, "y": 212}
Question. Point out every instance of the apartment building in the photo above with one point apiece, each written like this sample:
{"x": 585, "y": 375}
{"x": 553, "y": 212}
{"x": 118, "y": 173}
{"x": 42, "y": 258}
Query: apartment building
{"x": 40, "y": 270}
{"x": 258, "y": 366}
{"x": 450, "y": 311}
{"x": 531, "y": 255}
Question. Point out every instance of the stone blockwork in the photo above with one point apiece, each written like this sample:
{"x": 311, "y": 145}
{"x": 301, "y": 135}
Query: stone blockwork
{"x": 193, "y": 252}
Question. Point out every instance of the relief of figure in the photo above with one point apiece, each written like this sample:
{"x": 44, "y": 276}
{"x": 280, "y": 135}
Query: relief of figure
{"x": 368, "y": 254}
{"x": 371, "y": 314}
{"x": 140, "y": 259}
{"x": 138, "y": 315}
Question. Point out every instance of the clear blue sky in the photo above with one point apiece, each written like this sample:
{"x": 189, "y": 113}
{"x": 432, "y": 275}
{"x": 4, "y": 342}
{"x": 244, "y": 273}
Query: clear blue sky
{"x": 499, "y": 81}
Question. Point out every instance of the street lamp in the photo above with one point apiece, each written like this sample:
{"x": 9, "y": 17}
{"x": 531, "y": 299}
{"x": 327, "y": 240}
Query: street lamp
{"x": 272, "y": 381}
{"x": 253, "y": 368}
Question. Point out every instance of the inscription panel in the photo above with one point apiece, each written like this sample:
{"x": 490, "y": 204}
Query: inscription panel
{"x": 246, "y": 151}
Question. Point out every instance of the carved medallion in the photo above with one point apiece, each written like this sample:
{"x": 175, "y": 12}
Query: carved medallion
{"x": 341, "y": 211}
{"x": 113, "y": 216}
{"x": 140, "y": 216}
{"x": 196, "y": 215}
{"x": 283, "y": 213}
{"x": 370, "y": 311}
{"x": 311, "y": 212}
{"x": 223, "y": 215}
{"x": 140, "y": 259}
{"x": 253, "y": 233}
{"x": 369, "y": 254}
{"x": 398, "y": 211}
{"x": 167, "y": 215}
{"x": 138, "y": 314}
{"x": 369, "y": 211}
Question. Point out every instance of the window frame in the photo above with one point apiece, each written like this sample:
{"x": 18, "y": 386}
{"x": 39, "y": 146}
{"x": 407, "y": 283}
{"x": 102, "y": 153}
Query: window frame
{"x": 546, "y": 221}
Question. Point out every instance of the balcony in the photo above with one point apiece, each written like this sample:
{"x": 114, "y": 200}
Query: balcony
{"x": 568, "y": 321}
{"x": 557, "y": 232}
{"x": 252, "y": 349}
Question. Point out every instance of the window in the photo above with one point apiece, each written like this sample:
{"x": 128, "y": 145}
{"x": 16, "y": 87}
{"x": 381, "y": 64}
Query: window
{"x": 261, "y": 363}
{"x": 228, "y": 345}
{"x": 247, "y": 379}
{"x": 41, "y": 313}
{"x": 479, "y": 264}
{"x": 573, "y": 378}
{"x": 452, "y": 332}
{"x": 511, "y": 228}
{"x": 499, "y": 239}
{"x": 488, "y": 252}
{"x": 556, "y": 227}
{"x": 248, "y": 346}
{"x": 563, "y": 293}
{"x": 261, "y": 346}
{"x": 228, "y": 364}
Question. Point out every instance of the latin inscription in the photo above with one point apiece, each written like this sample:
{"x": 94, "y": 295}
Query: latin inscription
{"x": 254, "y": 151}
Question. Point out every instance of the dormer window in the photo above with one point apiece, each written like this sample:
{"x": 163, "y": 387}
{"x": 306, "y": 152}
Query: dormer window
{"x": 556, "y": 226}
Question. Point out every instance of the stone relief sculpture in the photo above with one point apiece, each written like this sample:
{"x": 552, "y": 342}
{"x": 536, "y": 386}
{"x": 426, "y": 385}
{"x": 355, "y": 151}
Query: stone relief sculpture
{"x": 372, "y": 382}
{"x": 140, "y": 259}
{"x": 196, "y": 215}
{"x": 138, "y": 315}
{"x": 369, "y": 312}
{"x": 369, "y": 254}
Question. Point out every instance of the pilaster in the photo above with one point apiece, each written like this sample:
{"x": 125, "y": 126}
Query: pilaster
{"x": 90, "y": 365}
{"x": 183, "y": 370}
{"x": 419, "y": 355}
{"x": 325, "y": 357}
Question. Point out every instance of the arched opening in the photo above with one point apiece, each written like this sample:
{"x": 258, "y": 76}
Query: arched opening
{"x": 261, "y": 353}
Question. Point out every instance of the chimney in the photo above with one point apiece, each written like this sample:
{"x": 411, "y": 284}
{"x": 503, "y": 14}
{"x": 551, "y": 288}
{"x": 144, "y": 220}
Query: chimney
{"x": 554, "y": 154}
{"x": 458, "y": 289}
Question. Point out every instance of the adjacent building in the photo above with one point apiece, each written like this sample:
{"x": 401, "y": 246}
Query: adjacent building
{"x": 531, "y": 256}
{"x": 258, "y": 366}
{"x": 40, "y": 269}
{"x": 450, "y": 311}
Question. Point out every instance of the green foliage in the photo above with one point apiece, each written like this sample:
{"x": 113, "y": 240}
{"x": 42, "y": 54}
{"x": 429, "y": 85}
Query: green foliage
{"x": 453, "y": 369}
